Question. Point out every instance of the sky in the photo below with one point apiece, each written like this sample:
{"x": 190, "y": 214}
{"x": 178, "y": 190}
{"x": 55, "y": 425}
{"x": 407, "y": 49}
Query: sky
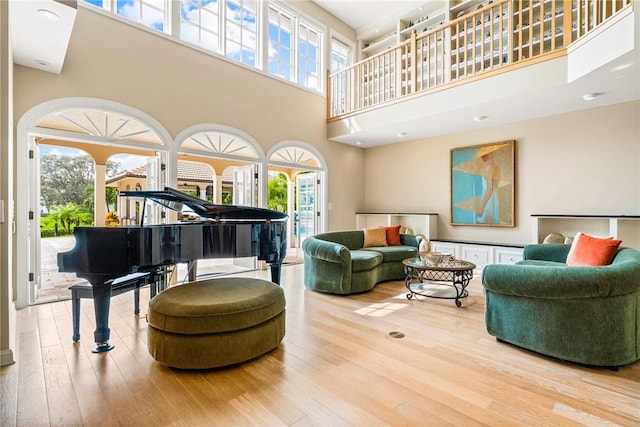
{"x": 128, "y": 161}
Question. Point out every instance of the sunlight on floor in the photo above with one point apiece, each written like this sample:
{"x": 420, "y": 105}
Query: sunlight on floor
{"x": 380, "y": 309}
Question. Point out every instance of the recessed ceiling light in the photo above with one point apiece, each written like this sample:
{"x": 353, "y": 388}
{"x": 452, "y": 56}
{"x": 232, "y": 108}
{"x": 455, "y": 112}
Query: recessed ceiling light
{"x": 621, "y": 67}
{"x": 479, "y": 118}
{"x": 358, "y": 142}
{"x": 401, "y": 134}
{"x": 590, "y": 96}
{"x": 42, "y": 63}
{"x": 49, "y": 14}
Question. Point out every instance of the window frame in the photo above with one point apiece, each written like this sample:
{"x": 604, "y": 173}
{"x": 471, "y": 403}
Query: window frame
{"x": 199, "y": 27}
{"x": 292, "y": 39}
{"x": 112, "y": 6}
{"x": 319, "y": 61}
{"x": 333, "y": 37}
{"x": 258, "y": 33}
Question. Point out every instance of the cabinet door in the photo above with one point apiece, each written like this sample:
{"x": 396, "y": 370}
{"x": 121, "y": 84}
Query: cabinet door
{"x": 507, "y": 255}
{"x": 446, "y": 248}
{"x": 479, "y": 255}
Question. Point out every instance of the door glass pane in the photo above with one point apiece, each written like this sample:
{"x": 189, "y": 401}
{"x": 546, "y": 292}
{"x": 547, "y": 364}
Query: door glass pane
{"x": 306, "y": 206}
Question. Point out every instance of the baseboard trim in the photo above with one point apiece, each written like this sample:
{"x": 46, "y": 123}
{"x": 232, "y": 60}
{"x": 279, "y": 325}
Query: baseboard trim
{"x": 6, "y": 357}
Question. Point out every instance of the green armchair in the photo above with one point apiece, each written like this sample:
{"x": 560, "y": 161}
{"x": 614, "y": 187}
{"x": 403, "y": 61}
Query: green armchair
{"x": 588, "y": 315}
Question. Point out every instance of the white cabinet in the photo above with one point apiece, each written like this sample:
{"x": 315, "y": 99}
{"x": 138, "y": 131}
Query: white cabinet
{"x": 421, "y": 223}
{"x": 481, "y": 254}
{"x": 625, "y": 228}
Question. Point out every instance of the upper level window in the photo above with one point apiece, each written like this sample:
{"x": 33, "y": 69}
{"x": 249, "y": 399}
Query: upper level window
{"x": 148, "y": 12}
{"x": 309, "y": 61}
{"x": 280, "y": 44}
{"x": 241, "y": 31}
{"x": 340, "y": 54}
{"x": 294, "y": 48}
{"x": 199, "y": 23}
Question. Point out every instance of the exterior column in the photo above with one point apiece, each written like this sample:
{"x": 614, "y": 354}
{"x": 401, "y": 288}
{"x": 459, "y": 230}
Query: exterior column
{"x": 119, "y": 209}
{"x": 202, "y": 192}
{"x": 217, "y": 192}
{"x": 99, "y": 194}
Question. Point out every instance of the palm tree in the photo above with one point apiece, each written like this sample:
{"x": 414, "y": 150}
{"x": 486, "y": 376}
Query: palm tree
{"x": 68, "y": 215}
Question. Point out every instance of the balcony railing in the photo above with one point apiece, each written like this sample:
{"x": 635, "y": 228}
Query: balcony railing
{"x": 503, "y": 35}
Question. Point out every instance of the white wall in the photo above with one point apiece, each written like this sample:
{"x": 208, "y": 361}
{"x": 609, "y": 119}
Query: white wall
{"x": 578, "y": 163}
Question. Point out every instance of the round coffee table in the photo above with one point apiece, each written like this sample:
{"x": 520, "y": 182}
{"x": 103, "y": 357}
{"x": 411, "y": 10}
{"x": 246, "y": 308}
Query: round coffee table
{"x": 423, "y": 279}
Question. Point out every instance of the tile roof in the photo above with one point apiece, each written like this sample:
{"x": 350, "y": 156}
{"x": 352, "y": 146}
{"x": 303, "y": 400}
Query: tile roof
{"x": 187, "y": 171}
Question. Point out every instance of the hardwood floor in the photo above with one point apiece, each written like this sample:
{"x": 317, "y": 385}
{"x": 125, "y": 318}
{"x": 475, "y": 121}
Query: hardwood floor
{"x": 337, "y": 366}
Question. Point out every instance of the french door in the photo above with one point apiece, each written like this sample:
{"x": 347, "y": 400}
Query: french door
{"x": 33, "y": 229}
{"x": 307, "y": 203}
{"x": 244, "y": 194}
{"x": 244, "y": 186}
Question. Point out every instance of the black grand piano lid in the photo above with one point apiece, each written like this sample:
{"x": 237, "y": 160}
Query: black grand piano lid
{"x": 176, "y": 200}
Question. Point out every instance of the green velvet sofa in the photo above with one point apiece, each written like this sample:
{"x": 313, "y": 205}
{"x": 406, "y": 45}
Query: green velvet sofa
{"x": 587, "y": 315}
{"x": 336, "y": 262}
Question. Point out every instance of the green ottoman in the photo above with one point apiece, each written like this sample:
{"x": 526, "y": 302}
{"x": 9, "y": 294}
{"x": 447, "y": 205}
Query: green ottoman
{"x": 217, "y": 322}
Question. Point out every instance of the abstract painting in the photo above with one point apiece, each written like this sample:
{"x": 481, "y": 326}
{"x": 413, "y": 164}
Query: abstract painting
{"x": 482, "y": 185}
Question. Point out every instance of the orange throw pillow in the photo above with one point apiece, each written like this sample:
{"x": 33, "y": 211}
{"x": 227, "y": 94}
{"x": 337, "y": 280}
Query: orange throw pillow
{"x": 592, "y": 251}
{"x": 393, "y": 235}
{"x": 375, "y": 237}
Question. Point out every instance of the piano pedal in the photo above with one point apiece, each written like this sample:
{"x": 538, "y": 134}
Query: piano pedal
{"x": 102, "y": 347}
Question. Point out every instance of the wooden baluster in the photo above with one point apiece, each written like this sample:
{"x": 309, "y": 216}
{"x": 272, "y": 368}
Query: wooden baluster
{"x": 492, "y": 30}
{"x": 501, "y": 30}
{"x": 520, "y": 35}
{"x": 530, "y": 29}
{"x": 474, "y": 39}
{"x": 541, "y": 29}
{"x": 438, "y": 60}
{"x": 414, "y": 65}
{"x": 567, "y": 32}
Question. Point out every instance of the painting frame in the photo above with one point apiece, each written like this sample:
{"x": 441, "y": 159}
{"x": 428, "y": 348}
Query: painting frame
{"x": 483, "y": 185}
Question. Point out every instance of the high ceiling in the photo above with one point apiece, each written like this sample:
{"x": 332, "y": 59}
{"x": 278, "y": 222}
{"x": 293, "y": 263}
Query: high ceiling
{"x": 40, "y": 41}
{"x": 369, "y": 17}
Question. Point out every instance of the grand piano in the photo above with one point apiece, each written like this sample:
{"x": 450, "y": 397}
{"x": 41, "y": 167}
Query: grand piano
{"x": 102, "y": 254}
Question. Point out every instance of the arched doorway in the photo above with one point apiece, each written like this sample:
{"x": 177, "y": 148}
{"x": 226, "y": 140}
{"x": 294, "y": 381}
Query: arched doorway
{"x": 307, "y": 202}
{"x": 101, "y": 128}
{"x": 237, "y": 160}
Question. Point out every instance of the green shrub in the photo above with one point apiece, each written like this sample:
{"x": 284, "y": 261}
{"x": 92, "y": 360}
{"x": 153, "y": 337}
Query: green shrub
{"x": 48, "y": 227}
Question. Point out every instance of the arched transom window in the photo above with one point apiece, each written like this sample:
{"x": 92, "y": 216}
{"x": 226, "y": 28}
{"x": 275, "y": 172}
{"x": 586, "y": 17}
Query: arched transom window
{"x": 219, "y": 144}
{"x": 295, "y": 156}
{"x": 102, "y": 124}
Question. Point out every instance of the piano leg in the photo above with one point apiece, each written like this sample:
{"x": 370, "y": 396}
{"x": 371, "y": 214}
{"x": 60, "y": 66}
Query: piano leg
{"x": 275, "y": 271}
{"x": 192, "y": 267}
{"x": 101, "y": 303}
